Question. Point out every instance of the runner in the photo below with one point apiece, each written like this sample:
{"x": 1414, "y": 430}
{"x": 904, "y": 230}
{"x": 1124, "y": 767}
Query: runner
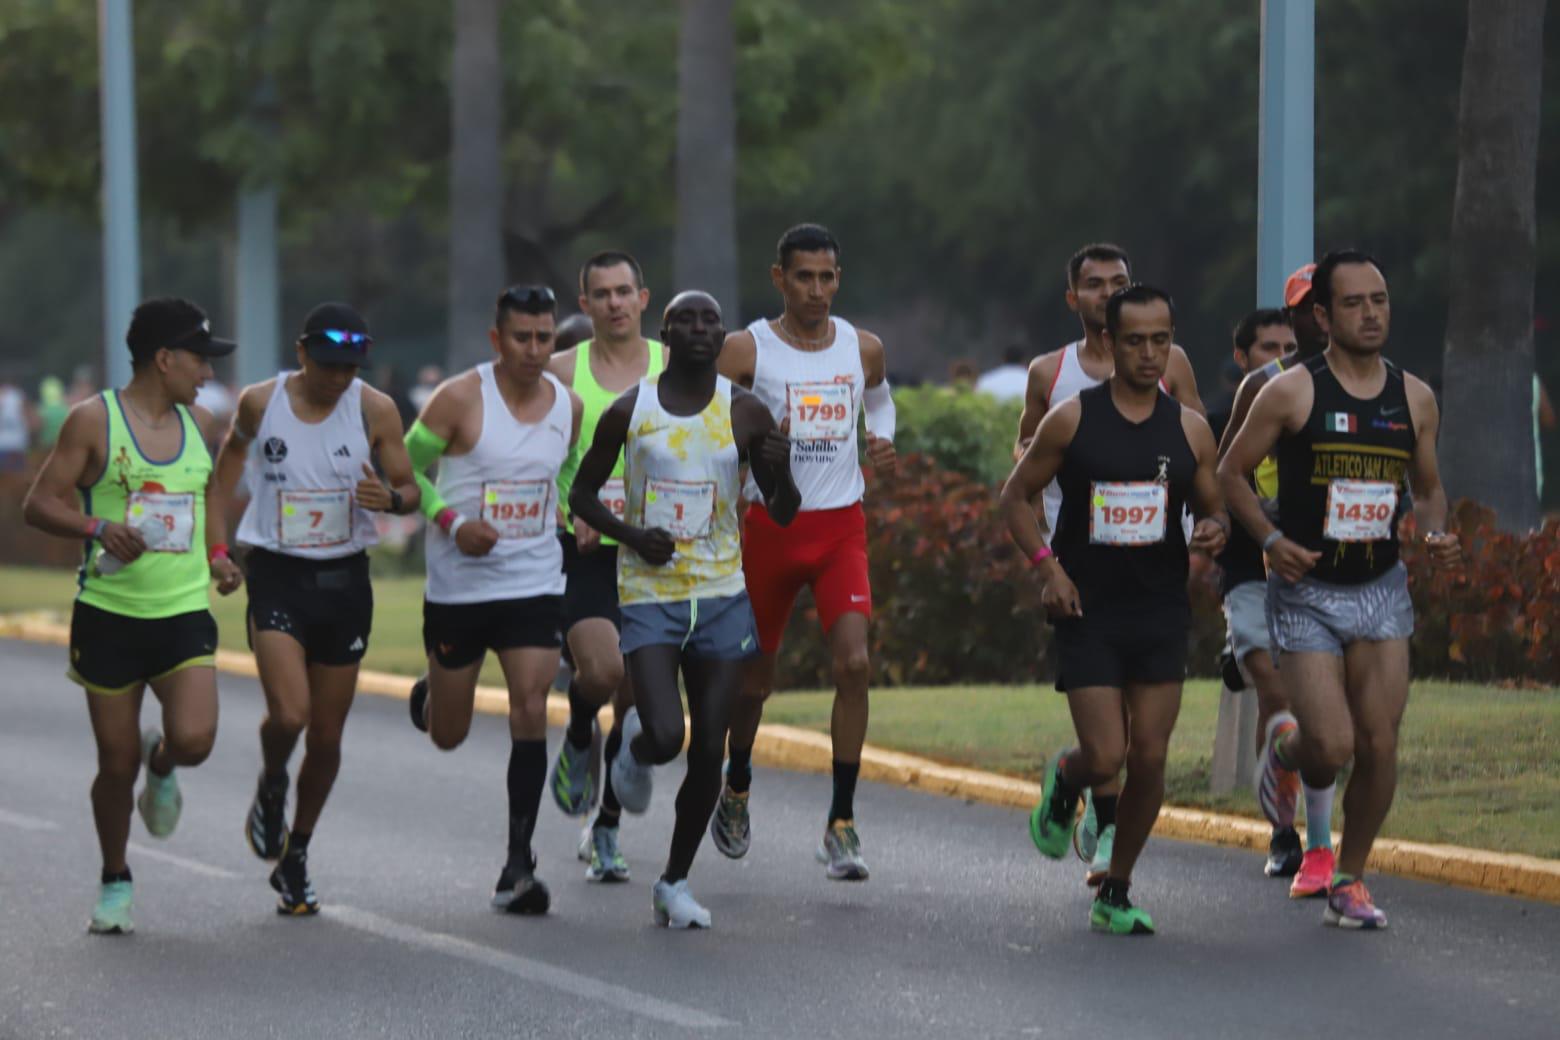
{"x": 817, "y": 374}
{"x": 684, "y": 434}
{"x": 613, "y": 294}
{"x": 131, "y": 477}
{"x": 1094, "y": 273}
{"x": 1351, "y": 431}
{"x": 308, "y": 437}
{"x": 1128, "y": 458}
{"x": 1246, "y": 619}
{"x": 500, "y": 432}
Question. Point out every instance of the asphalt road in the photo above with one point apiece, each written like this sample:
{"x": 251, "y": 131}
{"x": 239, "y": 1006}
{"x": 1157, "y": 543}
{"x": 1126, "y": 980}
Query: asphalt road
{"x": 963, "y": 928}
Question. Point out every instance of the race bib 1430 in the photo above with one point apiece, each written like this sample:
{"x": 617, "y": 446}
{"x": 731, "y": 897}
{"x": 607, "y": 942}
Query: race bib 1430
{"x": 1127, "y": 513}
{"x": 1360, "y": 510}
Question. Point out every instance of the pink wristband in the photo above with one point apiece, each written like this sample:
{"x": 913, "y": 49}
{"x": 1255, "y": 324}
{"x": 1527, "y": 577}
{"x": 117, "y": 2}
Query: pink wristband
{"x": 98, "y": 523}
{"x": 1042, "y": 553}
{"x": 445, "y": 518}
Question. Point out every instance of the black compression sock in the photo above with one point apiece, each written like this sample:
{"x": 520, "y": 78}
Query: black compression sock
{"x": 581, "y": 715}
{"x": 298, "y": 841}
{"x": 109, "y": 877}
{"x": 1105, "y": 810}
{"x": 739, "y": 770}
{"x": 844, "y": 805}
{"x": 1114, "y": 891}
{"x": 610, "y": 812}
{"x": 527, "y": 774}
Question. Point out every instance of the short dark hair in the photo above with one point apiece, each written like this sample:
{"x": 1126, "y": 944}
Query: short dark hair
{"x": 1014, "y": 355}
{"x": 1321, "y": 281}
{"x": 806, "y": 238}
{"x": 610, "y": 258}
{"x": 524, "y": 299}
{"x": 1261, "y": 318}
{"x": 1135, "y": 293}
{"x": 1102, "y": 251}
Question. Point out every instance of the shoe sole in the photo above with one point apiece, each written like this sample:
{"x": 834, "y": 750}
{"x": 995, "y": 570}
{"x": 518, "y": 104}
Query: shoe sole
{"x": 531, "y": 904}
{"x": 1303, "y": 894}
{"x": 99, "y": 928}
{"x": 730, "y": 850}
{"x": 610, "y": 877}
{"x": 1334, "y": 919}
{"x": 1105, "y": 929}
{"x": 294, "y": 910}
{"x": 1283, "y": 870}
{"x": 664, "y": 919}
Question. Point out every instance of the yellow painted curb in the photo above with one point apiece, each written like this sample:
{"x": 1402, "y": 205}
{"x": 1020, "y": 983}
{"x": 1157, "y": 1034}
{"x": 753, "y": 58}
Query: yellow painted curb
{"x": 787, "y": 747}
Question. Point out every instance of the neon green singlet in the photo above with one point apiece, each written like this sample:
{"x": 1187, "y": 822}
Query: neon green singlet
{"x": 169, "y": 507}
{"x": 596, "y": 400}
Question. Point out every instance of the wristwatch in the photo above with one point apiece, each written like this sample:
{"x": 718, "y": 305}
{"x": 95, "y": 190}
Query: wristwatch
{"x": 395, "y": 501}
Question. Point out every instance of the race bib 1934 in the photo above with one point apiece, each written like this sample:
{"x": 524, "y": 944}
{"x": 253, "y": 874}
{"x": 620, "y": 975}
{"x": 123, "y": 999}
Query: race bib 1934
{"x": 1360, "y": 510}
{"x": 819, "y": 411}
{"x": 683, "y": 508}
{"x": 614, "y": 495}
{"x": 315, "y": 519}
{"x": 518, "y": 508}
{"x": 1127, "y": 513}
{"x": 166, "y": 521}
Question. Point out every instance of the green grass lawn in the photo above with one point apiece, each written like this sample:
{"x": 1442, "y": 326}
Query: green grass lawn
{"x": 1478, "y": 765}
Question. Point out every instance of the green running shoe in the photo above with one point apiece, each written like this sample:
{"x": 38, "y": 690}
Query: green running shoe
{"x": 111, "y": 916}
{"x": 1050, "y": 824}
{"x": 606, "y": 860}
{"x": 1117, "y": 916}
{"x": 160, "y": 801}
{"x": 571, "y": 784}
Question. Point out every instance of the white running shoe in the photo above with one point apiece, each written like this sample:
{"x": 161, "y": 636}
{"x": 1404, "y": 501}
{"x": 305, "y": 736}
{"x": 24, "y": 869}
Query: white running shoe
{"x": 631, "y": 779}
{"x": 675, "y": 906}
{"x": 160, "y": 801}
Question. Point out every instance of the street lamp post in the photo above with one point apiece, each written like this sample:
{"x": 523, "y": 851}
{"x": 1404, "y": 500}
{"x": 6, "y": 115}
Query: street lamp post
{"x": 121, "y": 219}
{"x": 1286, "y": 169}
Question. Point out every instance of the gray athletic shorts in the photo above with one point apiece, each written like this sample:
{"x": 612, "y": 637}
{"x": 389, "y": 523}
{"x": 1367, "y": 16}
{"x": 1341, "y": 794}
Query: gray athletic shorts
{"x": 1317, "y": 617}
{"x": 1245, "y": 619}
{"x": 720, "y": 629}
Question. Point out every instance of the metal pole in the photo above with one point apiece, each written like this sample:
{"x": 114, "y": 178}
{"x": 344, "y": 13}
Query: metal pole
{"x": 121, "y": 218}
{"x": 1287, "y": 161}
{"x": 259, "y": 293}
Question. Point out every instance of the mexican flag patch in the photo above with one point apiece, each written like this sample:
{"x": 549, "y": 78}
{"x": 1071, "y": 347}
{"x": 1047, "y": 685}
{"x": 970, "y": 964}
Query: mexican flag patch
{"x": 1341, "y": 422}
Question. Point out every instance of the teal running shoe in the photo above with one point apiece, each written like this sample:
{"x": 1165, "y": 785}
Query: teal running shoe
{"x": 1050, "y": 824}
{"x": 111, "y": 915}
{"x": 1099, "y": 866}
{"x": 607, "y": 864}
{"x": 1086, "y": 835}
{"x": 160, "y": 801}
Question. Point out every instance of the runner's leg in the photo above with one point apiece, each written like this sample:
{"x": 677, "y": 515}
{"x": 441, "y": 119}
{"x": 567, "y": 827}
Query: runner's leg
{"x": 284, "y": 679}
{"x": 712, "y": 688}
{"x": 852, "y": 670}
{"x": 116, "y": 730}
{"x": 452, "y": 695}
{"x": 1152, "y": 709}
{"x": 189, "y": 717}
{"x": 528, "y": 672}
{"x": 1100, "y": 724}
{"x": 1324, "y": 743}
{"x": 1377, "y": 685}
{"x": 331, "y": 690}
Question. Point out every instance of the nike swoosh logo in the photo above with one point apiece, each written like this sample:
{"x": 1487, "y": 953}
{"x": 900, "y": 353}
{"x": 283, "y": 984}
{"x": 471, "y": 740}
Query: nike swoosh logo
{"x": 1387, "y": 413}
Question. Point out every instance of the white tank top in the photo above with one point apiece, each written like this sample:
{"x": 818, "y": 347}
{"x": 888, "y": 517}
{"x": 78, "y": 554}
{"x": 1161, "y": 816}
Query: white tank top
{"x": 13, "y": 420}
{"x": 821, "y": 391}
{"x": 509, "y": 479}
{"x": 681, "y": 474}
{"x": 302, "y": 478}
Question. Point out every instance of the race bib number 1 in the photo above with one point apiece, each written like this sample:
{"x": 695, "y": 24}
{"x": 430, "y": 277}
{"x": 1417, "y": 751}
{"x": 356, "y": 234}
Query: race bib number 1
{"x": 614, "y": 495}
{"x": 517, "y": 508}
{"x": 1360, "y": 510}
{"x": 684, "y": 508}
{"x": 316, "y": 519}
{"x": 167, "y": 522}
{"x": 1127, "y": 513}
{"x": 819, "y": 411}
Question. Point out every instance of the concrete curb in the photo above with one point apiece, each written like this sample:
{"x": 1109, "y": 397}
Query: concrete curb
{"x": 787, "y": 747}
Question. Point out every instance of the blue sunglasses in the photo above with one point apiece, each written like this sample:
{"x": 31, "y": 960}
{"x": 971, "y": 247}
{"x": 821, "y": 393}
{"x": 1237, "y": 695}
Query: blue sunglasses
{"x": 358, "y": 341}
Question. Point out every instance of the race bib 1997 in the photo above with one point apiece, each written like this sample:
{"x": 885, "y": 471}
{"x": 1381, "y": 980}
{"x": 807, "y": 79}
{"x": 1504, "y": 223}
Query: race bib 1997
{"x": 1127, "y": 513}
{"x": 683, "y": 508}
{"x": 315, "y": 519}
{"x": 518, "y": 508}
{"x": 1360, "y": 510}
{"x": 166, "y": 521}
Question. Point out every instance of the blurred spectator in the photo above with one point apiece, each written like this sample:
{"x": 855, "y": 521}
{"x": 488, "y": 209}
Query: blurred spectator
{"x": 83, "y": 384}
{"x": 52, "y": 410}
{"x": 216, "y": 398}
{"x": 17, "y": 422}
{"x": 428, "y": 379}
{"x": 387, "y": 379}
{"x": 1009, "y": 380}
{"x": 962, "y": 374}
{"x": 572, "y": 331}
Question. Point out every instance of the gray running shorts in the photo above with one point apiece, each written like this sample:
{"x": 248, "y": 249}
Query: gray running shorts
{"x": 1245, "y": 619}
{"x": 719, "y": 629}
{"x": 1317, "y": 617}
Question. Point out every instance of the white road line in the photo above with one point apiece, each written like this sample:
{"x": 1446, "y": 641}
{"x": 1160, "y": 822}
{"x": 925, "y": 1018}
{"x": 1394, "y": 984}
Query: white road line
{"x": 192, "y": 865}
{"x": 27, "y": 823}
{"x": 526, "y": 968}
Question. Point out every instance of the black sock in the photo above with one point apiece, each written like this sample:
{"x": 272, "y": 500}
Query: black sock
{"x": 739, "y": 770}
{"x": 1114, "y": 891}
{"x": 527, "y": 774}
{"x": 581, "y": 715}
{"x": 1105, "y": 810}
{"x": 110, "y": 877}
{"x": 844, "y": 805}
{"x": 298, "y": 841}
{"x": 610, "y": 811}
{"x": 1064, "y": 788}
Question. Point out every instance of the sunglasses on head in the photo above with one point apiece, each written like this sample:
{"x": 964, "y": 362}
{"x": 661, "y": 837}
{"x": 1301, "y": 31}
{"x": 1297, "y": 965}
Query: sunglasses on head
{"x": 358, "y": 341}
{"x": 532, "y": 299}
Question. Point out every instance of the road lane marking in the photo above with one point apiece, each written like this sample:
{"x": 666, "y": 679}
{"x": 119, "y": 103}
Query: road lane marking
{"x": 527, "y": 968}
{"x": 192, "y": 865}
{"x": 27, "y": 823}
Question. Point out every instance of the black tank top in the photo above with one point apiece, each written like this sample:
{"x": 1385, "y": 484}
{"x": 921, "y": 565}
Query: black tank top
{"x": 1114, "y": 472}
{"x": 1342, "y": 476}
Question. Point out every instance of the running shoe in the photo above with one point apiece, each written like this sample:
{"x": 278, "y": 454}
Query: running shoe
{"x": 1099, "y": 866}
{"x": 160, "y": 801}
{"x": 1283, "y": 858}
{"x": 417, "y": 704}
{"x": 1115, "y": 915}
{"x": 631, "y": 779}
{"x": 111, "y": 915}
{"x": 1086, "y": 833}
{"x": 1315, "y": 875}
{"x": 1051, "y": 821}
{"x": 530, "y": 894}
{"x": 729, "y": 827}
{"x": 586, "y": 846}
{"x": 1350, "y": 906}
{"x": 570, "y": 782}
{"x": 295, "y": 892}
{"x": 675, "y": 906}
{"x": 840, "y": 852}
{"x": 504, "y": 889}
{"x": 1278, "y": 788}
{"x": 607, "y": 864}
{"x": 266, "y": 826}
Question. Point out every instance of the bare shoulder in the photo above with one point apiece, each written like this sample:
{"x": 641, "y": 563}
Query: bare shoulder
{"x": 562, "y": 365}
{"x": 86, "y": 421}
{"x": 740, "y": 344}
{"x": 1422, "y": 404}
{"x": 1042, "y": 370}
{"x": 1198, "y": 433}
{"x": 1061, "y": 422}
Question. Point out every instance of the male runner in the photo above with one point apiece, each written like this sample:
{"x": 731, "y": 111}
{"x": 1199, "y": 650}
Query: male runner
{"x": 1245, "y": 610}
{"x": 130, "y": 477}
{"x": 684, "y": 434}
{"x": 308, "y": 437}
{"x": 1351, "y": 432}
{"x": 1128, "y": 458}
{"x": 817, "y": 374}
{"x": 613, "y": 294}
{"x": 500, "y": 432}
{"x": 1094, "y": 273}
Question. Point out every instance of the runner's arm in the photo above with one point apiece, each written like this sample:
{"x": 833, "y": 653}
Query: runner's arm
{"x": 1244, "y": 395}
{"x": 1213, "y": 523}
{"x": 252, "y": 401}
{"x": 428, "y": 440}
{"x": 1183, "y": 381}
{"x": 389, "y": 446}
{"x": 768, "y": 454}
{"x": 738, "y": 360}
{"x": 52, "y": 504}
{"x": 1266, "y": 420}
{"x": 596, "y": 467}
{"x": 1424, "y": 470}
{"x": 1042, "y": 373}
{"x": 1038, "y": 466}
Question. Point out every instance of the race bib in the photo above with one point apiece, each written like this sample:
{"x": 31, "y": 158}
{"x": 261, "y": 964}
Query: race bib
{"x": 684, "y": 508}
{"x": 819, "y": 411}
{"x": 614, "y": 495}
{"x": 1360, "y": 510}
{"x": 167, "y": 522}
{"x": 315, "y": 519}
{"x": 1127, "y": 513}
{"x": 517, "y": 508}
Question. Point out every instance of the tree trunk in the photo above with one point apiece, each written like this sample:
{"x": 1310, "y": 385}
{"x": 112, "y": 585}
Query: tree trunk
{"x": 476, "y": 181}
{"x": 706, "y": 243}
{"x": 1487, "y": 448}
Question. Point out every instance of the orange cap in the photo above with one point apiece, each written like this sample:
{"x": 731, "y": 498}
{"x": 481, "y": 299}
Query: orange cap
{"x": 1298, "y": 285}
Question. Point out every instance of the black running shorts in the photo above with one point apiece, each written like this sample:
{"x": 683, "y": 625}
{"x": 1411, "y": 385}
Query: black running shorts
{"x": 112, "y": 653}
{"x": 1115, "y": 647}
{"x": 592, "y": 589}
{"x": 326, "y": 605}
{"x": 458, "y": 634}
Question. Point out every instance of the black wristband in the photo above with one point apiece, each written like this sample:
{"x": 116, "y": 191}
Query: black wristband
{"x": 396, "y": 505}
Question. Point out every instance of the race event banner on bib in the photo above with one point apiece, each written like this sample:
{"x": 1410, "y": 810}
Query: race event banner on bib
{"x": 614, "y": 495}
{"x": 1360, "y": 510}
{"x": 1127, "y": 513}
{"x": 819, "y": 411}
{"x": 683, "y": 508}
{"x": 315, "y": 519}
{"x": 166, "y": 521}
{"x": 518, "y": 508}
